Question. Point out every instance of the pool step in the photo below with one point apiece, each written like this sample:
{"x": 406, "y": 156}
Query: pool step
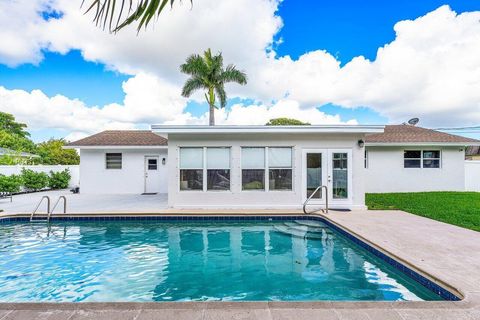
{"x": 298, "y": 233}
{"x": 311, "y": 223}
{"x": 305, "y": 228}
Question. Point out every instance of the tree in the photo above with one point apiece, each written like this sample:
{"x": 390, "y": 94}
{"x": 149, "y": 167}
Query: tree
{"x": 207, "y": 72}
{"x": 8, "y": 124}
{"x": 52, "y": 152}
{"x": 116, "y": 14}
{"x": 15, "y": 142}
{"x": 286, "y": 122}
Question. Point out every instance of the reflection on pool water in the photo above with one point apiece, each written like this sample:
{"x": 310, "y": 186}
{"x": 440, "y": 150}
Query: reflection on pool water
{"x": 181, "y": 261}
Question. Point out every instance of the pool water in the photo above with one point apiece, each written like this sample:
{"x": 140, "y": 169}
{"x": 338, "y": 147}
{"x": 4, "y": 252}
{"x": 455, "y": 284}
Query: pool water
{"x": 192, "y": 261}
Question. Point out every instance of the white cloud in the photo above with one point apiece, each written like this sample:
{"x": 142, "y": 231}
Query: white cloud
{"x": 430, "y": 70}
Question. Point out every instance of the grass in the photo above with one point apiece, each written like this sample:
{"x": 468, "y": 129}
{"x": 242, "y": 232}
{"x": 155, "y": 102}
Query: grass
{"x": 458, "y": 208}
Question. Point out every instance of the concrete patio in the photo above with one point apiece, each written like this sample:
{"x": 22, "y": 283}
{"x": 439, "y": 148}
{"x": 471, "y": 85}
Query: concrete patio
{"x": 445, "y": 253}
{"x": 86, "y": 203}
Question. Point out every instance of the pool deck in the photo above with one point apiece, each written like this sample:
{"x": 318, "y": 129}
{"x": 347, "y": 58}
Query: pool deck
{"x": 444, "y": 252}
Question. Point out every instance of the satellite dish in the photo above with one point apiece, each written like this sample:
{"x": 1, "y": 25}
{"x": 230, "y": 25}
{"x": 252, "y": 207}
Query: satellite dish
{"x": 413, "y": 121}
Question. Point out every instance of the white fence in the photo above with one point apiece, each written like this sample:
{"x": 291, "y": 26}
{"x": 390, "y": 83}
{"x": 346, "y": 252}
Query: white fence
{"x": 74, "y": 171}
{"x": 472, "y": 175}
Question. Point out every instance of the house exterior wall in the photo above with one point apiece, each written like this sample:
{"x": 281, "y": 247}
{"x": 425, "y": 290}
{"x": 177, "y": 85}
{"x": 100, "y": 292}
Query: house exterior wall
{"x": 236, "y": 197}
{"x": 95, "y": 178}
{"x": 386, "y": 172}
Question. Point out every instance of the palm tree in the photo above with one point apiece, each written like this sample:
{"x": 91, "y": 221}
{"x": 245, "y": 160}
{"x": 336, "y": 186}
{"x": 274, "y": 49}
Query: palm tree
{"x": 207, "y": 72}
{"x": 117, "y": 14}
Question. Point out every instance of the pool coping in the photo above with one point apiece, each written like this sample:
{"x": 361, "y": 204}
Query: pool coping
{"x": 462, "y": 301}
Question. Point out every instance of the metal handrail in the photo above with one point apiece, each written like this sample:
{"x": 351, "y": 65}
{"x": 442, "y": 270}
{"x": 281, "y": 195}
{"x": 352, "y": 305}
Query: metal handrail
{"x": 55, "y": 205}
{"x": 38, "y": 205}
{"x": 311, "y": 196}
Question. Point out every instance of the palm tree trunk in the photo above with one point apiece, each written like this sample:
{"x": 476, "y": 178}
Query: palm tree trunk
{"x": 211, "y": 121}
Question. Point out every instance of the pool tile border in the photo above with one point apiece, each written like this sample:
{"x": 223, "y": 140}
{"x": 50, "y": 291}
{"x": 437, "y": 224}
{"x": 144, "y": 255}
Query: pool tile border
{"x": 416, "y": 276}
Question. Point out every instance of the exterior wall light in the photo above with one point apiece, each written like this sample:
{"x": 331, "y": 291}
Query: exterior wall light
{"x": 164, "y": 161}
{"x": 361, "y": 143}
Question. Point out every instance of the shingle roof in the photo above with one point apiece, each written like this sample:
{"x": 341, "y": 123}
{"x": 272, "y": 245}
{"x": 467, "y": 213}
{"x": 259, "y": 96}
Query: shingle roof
{"x": 121, "y": 138}
{"x": 411, "y": 134}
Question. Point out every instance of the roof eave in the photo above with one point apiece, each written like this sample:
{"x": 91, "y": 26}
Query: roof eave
{"x": 267, "y": 129}
{"x": 111, "y": 147}
{"x": 426, "y": 143}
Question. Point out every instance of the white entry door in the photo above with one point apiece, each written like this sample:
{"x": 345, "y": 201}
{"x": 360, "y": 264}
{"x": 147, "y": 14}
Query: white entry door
{"x": 331, "y": 168}
{"x": 152, "y": 174}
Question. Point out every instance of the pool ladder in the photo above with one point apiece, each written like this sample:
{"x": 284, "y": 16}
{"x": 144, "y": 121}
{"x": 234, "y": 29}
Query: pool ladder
{"x": 311, "y": 196}
{"x": 49, "y": 212}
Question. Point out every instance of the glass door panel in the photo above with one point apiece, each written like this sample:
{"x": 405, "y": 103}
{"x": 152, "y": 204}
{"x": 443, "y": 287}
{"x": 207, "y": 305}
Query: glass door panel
{"x": 314, "y": 174}
{"x": 339, "y": 175}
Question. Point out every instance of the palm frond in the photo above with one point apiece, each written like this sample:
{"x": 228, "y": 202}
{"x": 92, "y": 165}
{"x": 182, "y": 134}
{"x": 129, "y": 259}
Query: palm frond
{"x": 195, "y": 66}
{"x": 231, "y": 74}
{"x": 108, "y": 13}
{"x": 222, "y": 95}
{"x": 191, "y": 85}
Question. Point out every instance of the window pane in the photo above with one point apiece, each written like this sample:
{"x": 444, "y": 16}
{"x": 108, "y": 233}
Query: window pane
{"x": 218, "y": 179}
{"x": 340, "y": 176}
{"x": 411, "y": 163}
{"x": 191, "y": 158}
{"x": 280, "y": 157}
{"x": 431, "y": 154}
{"x": 218, "y": 158}
{"x": 253, "y": 158}
{"x": 408, "y": 154}
{"x": 113, "y": 160}
{"x": 280, "y": 179}
{"x": 314, "y": 174}
{"x": 431, "y": 163}
{"x": 191, "y": 179}
{"x": 152, "y": 164}
{"x": 253, "y": 179}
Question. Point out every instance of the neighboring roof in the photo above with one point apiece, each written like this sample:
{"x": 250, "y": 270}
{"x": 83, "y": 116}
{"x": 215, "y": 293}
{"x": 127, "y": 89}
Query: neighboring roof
{"x": 10, "y": 152}
{"x": 405, "y": 134}
{"x": 121, "y": 138}
{"x": 267, "y": 129}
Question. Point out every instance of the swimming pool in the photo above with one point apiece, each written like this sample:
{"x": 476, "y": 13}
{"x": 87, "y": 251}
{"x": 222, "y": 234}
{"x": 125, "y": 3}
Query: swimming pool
{"x": 197, "y": 260}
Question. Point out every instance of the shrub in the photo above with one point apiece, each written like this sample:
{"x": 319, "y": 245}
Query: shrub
{"x": 59, "y": 180}
{"x": 34, "y": 180}
{"x": 10, "y": 183}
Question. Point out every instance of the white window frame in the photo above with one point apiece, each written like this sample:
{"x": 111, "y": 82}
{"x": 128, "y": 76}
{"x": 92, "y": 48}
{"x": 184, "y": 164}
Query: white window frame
{"x": 121, "y": 161}
{"x": 204, "y": 168}
{"x": 422, "y": 158}
{"x": 365, "y": 164}
{"x": 267, "y": 168}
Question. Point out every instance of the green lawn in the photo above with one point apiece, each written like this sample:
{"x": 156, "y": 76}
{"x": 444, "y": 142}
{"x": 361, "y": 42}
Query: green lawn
{"x": 458, "y": 208}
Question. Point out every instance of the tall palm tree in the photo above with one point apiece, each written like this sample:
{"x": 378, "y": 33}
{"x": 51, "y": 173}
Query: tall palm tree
{"x": 116, "y": 14}
{"x": 207, "y": 72}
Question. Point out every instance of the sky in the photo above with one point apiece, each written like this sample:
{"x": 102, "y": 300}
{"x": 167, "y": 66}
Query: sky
{"x": 321, "y": 61}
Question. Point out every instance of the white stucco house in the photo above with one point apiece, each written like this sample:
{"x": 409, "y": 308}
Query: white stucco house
{"x": 271, "y": 166}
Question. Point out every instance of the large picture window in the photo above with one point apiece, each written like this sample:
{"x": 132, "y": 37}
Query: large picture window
{"x": 421, "y": 158}
{"x": 218, "y": 169}
{"x": 113, "y": 161}
{"x": 199, "y": 164}
{"x": 253, "y": 168}
{"x": 280, "y": 168}
{"x": 272, "y": 162}
{"x": 191, "y": 168}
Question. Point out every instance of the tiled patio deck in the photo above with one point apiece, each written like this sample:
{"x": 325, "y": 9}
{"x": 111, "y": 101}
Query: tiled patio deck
{"x": 87, "y": 203}
{"x": 448, "y": 253}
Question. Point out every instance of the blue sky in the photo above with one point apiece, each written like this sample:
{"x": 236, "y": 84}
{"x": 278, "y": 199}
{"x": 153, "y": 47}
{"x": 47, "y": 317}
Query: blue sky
{"x": 345, "y": 29}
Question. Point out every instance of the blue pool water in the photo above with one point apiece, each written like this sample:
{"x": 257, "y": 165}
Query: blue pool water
{"x": 181, "y": 261}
